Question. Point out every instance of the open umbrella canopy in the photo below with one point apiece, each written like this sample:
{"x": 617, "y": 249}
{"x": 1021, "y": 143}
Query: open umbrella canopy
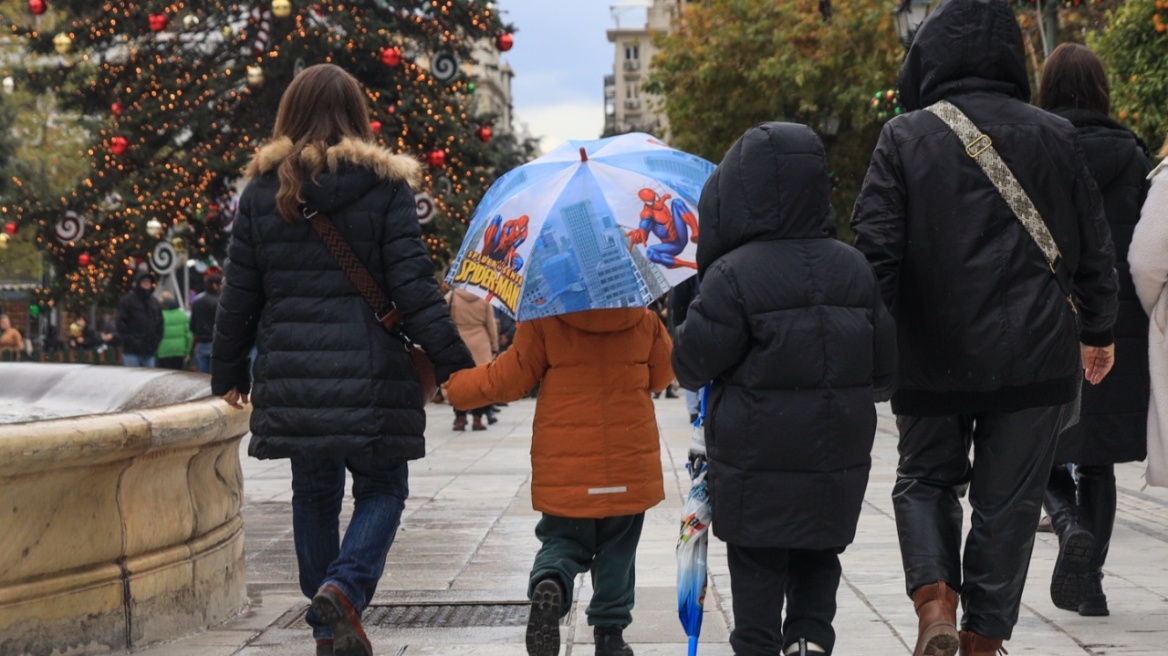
{"x": 593, "y": 224}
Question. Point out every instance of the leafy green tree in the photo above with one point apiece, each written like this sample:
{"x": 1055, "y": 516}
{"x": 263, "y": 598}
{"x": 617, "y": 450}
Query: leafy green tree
{"x": 1135, "y": 52}
{"x": 180, "y": 93}
{"x": 730, "y": 64}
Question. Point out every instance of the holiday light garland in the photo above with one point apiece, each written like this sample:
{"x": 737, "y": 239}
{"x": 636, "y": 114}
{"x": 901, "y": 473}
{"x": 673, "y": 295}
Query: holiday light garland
{"x": 183, "y": 100}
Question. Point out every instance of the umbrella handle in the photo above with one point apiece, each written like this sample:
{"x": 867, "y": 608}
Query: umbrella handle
{"x": 693, "y": 646}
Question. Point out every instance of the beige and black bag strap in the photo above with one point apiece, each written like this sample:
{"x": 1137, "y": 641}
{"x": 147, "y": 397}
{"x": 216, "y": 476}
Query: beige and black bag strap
{"x": 980, "y": 147}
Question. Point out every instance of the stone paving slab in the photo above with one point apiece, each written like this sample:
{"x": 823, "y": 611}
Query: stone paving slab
{"x": 468, "y": 536}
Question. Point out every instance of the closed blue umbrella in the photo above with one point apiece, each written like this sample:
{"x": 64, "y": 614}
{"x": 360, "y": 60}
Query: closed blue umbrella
{"x": 693, "y": 542}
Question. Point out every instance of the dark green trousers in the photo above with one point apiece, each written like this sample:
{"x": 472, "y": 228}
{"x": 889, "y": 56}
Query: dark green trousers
{"x": 606, "y": 547}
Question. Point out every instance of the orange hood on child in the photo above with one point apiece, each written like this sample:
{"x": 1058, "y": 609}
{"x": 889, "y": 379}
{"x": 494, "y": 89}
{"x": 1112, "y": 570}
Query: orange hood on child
{"x": 595, "y": 449}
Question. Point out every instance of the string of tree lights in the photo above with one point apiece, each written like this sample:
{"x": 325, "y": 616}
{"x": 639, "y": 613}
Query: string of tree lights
{"x": 182, "y": 93}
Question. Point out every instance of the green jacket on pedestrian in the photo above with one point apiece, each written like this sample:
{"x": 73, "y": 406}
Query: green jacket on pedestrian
{"x": 176, "y": 334}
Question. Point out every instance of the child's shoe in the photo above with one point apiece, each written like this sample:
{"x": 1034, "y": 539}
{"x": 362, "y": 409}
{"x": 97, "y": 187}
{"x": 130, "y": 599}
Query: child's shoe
{"x": 478, "y": 424}
{"x": 803, "y": 648}
{"x": 543, "y": 625}
{"x": 609, "y": 641}
{"x": 460, "y": 423}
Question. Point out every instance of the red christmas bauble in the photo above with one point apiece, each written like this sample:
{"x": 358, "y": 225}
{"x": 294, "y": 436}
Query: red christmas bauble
{"x": 392, "y": 109}
{"x": 117, "y": 108}
{"x": 436, "y": 158}
{"x": 375, "y": 126}
{"x": 391, "y": 56}
{"x": 504, "y": 42}
{"x": 484, "y": 133}
{"x": 84, "y": 259}
{"x": 119, "y": 145}
{"x": 37, "y": 7}
{"x": 157, "y": 22}
{"x": 10, "y": 228}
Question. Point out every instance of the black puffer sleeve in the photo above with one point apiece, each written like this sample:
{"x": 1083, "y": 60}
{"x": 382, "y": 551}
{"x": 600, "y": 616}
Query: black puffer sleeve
{"x": 409, "y": 273}
{"x": 716, "y": 333}
{"x": 240, "y": 307}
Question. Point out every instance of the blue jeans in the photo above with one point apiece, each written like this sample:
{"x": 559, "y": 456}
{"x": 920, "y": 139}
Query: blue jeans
{"x": 380, "y": 488}
{"x": 203, "y": 357}
{"x": 693, "y": 402}
{"x": 131, "y": 360}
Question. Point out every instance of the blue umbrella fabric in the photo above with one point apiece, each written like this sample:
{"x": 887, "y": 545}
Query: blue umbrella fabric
{"x": 693, "y": 542}
{"x": 599, "y": 224}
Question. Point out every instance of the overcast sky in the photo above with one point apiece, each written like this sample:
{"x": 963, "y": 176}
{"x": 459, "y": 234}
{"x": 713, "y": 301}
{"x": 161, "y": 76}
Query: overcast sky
{"x": 560, "y": 58}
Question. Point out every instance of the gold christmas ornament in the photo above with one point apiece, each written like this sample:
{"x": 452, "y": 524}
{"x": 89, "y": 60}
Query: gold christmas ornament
{"x": 4, "y": 240}
{"x": 9, "y": 84}
{"x": 281, "y": 8}
{"x": 255, "y": 76}
{"x": 227, "y": 32}
{"x": 190, "y": 21}
{"x": 63, "y": 43}
{"x": 154, "y": 227}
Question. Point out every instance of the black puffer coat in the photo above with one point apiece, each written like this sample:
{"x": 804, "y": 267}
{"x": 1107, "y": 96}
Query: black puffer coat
{"x": 982, "y": 324}
{"x": 1114, "y": 419}
{"x": 790, "y": 327}
{"x": 139, "y": 320}
{"x": 329, "y": 380}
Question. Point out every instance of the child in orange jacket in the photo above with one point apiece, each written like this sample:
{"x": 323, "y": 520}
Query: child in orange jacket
{"x": 595, "y": 456}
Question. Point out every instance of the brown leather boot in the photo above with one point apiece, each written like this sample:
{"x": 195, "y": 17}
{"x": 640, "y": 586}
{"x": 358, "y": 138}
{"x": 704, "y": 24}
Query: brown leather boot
{"x": 460, "y": 422}
{"x": 478, "y": 424}
{"x": 936, "y": 606}
{"x": 973, "y": 644}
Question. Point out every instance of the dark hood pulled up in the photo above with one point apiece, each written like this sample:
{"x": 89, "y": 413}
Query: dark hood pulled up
{"x": 772, "y": 185}
{"x": 965, "y": 45}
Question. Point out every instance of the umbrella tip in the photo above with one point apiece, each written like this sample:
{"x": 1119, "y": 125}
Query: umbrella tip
{"x": 583, "y": 154}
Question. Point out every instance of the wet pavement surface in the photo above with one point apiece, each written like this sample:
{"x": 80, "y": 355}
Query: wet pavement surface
{"x": 457, "y": 574}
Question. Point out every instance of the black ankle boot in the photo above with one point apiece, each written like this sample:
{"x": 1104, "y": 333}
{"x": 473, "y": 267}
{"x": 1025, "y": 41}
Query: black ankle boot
{"x": 1068, "y": 583}
{"x": 1094, "y": 602}
{"x": 609, "y": 641}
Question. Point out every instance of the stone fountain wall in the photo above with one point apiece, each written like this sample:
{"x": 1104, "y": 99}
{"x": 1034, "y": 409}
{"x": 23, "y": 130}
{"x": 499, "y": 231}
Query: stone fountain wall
{"x": 120, "y": 525}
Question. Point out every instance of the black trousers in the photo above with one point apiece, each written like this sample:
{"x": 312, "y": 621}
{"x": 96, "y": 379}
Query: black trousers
{"x": 761, "y": 578}
{"x": 1012, "y": 456}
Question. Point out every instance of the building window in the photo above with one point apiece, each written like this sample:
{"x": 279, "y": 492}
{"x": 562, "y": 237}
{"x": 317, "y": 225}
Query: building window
{"x": 632, "y": 51}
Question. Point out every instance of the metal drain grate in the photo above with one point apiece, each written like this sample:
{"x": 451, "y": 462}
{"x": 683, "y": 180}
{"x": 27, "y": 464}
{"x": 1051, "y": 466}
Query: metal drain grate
{"x": 440, "y": 616}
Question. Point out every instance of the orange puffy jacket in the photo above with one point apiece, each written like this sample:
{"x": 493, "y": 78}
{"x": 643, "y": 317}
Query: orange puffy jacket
{"x": 595, "y": 449}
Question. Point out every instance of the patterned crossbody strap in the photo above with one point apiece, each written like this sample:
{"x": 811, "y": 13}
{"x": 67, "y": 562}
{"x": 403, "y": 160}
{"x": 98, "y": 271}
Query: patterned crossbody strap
{"x": 980, "y": 147}
{"x": 383, "y": 309}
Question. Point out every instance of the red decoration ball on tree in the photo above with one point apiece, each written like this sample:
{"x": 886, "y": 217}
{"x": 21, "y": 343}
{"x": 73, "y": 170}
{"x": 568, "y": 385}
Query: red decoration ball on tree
{"x": 10, "y": 228}
{"x": 375, "y": 126}
{"x": 484, "y": 133}
{"x": 157, "y": 22}
{"x": 436, "y": 158}
{"x": 37, "y": 7}
{"x": 392, "y": 109}
{"x": 117, "y": 108}
{"x": 391, "y": 56}
{"x": 504, "y": 42}
{"x": 119, "y": 145}
{"x": 84, "y": 259}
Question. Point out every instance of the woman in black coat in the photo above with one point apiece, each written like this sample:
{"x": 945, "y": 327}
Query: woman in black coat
{"x": 333, "y": 389}
{"x": 1113, "y": 420}
{"x": 790, "y": 327}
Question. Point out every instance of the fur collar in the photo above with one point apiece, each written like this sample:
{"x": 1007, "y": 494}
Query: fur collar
{"x": 385, "y": 164}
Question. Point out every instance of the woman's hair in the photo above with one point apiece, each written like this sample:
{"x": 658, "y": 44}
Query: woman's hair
{"x": 322, "y": 106}
{"x": 1164, "y": 149}
{"x": 1073, "y": 77}
{"x": 167, "y": 301}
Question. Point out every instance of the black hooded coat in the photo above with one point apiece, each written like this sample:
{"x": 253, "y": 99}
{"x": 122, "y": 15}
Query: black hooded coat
{"x": 329, "y": 380}
{"x": 139, "y": 319}
{"x": 1113, "y": 424}
{"x": 982, "y": 323}
{"x": 790, "y": 328}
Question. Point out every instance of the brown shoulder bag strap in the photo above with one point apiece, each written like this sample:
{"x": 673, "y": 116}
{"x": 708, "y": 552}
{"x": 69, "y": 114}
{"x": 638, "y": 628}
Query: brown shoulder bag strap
{"x": 383, "y": 309}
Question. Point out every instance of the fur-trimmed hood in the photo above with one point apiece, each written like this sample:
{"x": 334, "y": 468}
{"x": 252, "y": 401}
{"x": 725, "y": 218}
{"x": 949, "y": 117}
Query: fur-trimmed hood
{"x": 352, "y": 169}
{"x": 384, "y": 164}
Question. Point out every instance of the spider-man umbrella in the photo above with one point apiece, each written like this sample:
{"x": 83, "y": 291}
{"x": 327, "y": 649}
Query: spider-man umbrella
{"x": 593, "y": 224}
{"x": 694, "y": 539}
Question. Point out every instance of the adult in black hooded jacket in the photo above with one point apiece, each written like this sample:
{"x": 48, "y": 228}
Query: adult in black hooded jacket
{"x": 989, "y": 345}
{"x": 790, "y": 328}
{"x": 1113, "y": 424}
{"x": 139, "y": 322}
{"x": 334, "y": 391}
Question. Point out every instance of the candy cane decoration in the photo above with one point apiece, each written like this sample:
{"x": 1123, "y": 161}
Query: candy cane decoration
{"x": 425, "y": 205}
{"x": 263, "y": 18}
{"x": 444, "y": 66}
{"x": 164, "y": 258}
{"x": 70, "y": 228}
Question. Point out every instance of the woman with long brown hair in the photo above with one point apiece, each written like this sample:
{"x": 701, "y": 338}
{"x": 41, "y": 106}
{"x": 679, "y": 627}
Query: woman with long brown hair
{"x": 333, "y": 389}
{"x": 1113, "y": 418}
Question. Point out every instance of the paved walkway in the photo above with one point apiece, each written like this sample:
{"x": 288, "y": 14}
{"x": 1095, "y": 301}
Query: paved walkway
{"x": 467, "y": 541}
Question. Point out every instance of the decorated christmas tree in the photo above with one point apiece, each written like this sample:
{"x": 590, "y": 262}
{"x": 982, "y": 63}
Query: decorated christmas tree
{"x": 181, "y": 94}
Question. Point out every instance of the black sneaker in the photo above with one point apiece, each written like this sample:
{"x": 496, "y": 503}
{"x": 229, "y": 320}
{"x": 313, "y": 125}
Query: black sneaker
{"x": 610, "y": 641}
{"x": 543, "y": 625}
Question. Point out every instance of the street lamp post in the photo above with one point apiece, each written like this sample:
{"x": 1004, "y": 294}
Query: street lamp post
{"x": 909, "y": 15}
